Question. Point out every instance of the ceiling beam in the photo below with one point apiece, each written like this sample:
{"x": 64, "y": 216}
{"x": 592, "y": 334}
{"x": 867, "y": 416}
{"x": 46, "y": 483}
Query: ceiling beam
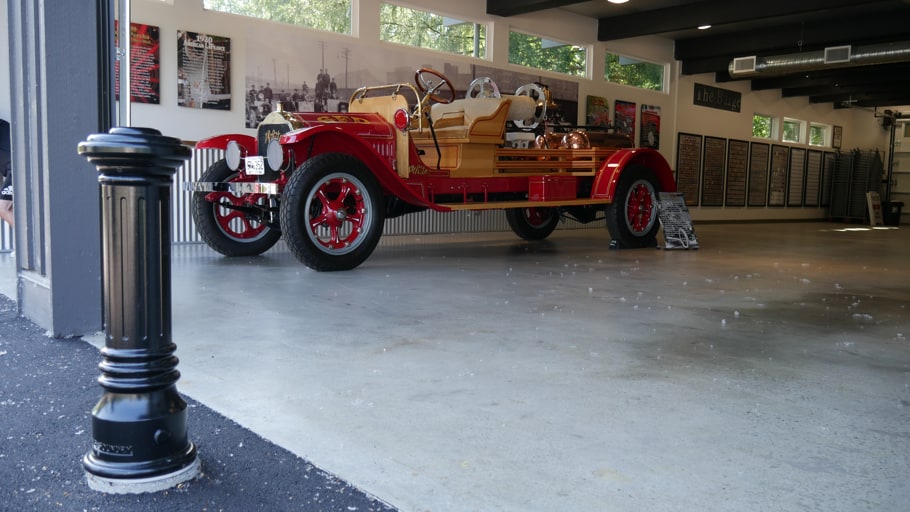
{"x": 710, "y": 12}
{"x": 516, "y": 7}
{"x": 796, "y": 37}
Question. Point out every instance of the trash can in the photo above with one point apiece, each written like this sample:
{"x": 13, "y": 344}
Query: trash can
{"x": 891, "y": 213}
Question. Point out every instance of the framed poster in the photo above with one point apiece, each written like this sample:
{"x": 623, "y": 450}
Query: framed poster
{"x": 597, "y": 111}
{"x": 814, "y": 160}
{"x": 203, "y": 71}
{"x": 650, "y": 126}
{"x": 145, "y": 63}
{"x": 624, "y": 118}
{"x": 714, "y": 162}
{"x": 796, "y": 188}
{"x": 837, "y": 136}
{"x": 759, "y": 156}
{"x": 688, "y": 161}
{"x": 737, "y": 172}
{"x": 777, "y": 179}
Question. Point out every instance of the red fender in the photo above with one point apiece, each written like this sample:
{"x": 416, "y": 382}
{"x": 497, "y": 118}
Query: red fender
{"x": 247, "y": 143}
{"x": 608, "y": 176}
{"x": 334, "y": 140}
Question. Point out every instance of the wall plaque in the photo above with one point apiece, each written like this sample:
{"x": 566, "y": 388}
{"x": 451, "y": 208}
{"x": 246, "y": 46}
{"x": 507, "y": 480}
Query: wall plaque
{"x": 688, "y": 162}
{"x": 813, "y": 177}
{"x": 759, "y": 155}
{"x": 737, "y": 171}
{"x": 777, "y": 181}
{"x": 796, "y": 189}
{"x": 715, "y": 156}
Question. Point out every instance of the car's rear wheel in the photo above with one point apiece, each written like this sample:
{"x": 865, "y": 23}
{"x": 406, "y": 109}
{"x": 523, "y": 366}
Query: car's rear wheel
{"x": 331, "y": 212}
{"x": 632, "y": 218}
{"x": 532, "y": 223}
{"x": 233, "y": 224}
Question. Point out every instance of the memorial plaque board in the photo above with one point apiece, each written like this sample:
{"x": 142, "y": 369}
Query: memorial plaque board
{"x": 796, "y": 188}
{"x": 777, "y": 181}
{"x": 813, "y": 177}
{"x": 715, "y": 156}
{"x": 737, "y": 171}
{"x": 688, "y": 162}
{"x": 827, "y": 175}
{"x": 759, "y": 155}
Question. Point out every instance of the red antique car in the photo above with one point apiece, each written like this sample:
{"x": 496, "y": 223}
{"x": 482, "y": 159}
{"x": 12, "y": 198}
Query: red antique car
{"x": 328, "y": 181}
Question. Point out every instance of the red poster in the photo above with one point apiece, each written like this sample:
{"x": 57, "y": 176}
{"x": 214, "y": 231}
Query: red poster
{"x": 624, "y": 120}
{"x": 650, "y": 126}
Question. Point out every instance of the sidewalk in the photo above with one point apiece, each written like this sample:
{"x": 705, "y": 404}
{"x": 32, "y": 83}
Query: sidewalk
{"x": 47, "y": 391}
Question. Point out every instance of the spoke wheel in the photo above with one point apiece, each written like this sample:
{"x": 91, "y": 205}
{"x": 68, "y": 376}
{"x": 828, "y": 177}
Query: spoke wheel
{"x": 633, "y": 217}
{"x": 223, "y": 219}
{"x": 532, "y": 223}
{"x": 331, "y": 212}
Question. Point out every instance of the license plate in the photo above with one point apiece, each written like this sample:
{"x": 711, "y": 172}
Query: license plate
{"x": 255, "y": 165}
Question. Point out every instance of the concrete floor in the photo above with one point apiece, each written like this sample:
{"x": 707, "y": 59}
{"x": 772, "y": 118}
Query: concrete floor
{"x": 769, "y": 370}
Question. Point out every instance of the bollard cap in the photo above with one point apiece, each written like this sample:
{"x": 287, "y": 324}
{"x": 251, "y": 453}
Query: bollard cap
{"x": 127, "y": 150}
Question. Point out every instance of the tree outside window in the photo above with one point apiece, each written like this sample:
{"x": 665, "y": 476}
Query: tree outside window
{"x": 624, "y": 70}
{"x": 330, "y": 15}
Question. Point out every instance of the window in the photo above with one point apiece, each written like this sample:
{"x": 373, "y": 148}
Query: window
{"x": 792, "y": 130}
{"x": 330, "y": 15}
{"x": 762, "y": 126}
{"x": 620, "y": 69}
{"x": 427, "y": 30}
{"x": 818, "y": 135}
{"x": 539, "y": 53}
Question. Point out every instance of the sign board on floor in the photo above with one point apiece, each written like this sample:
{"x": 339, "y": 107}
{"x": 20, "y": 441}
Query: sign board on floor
{"x": 874, "y": 202}
{"x": 676, "y": 221}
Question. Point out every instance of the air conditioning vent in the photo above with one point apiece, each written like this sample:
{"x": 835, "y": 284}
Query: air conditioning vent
{"x": 837, "y": 54}
{"x": 744, "y": 64}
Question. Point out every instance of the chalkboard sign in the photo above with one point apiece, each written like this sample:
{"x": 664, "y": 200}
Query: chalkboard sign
{"x": 737, "y": 171}
{"x": 688, "y": 162}
{"x": 676, "y": 221}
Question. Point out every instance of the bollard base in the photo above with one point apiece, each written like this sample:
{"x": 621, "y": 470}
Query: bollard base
{"x": 143, "y": 485}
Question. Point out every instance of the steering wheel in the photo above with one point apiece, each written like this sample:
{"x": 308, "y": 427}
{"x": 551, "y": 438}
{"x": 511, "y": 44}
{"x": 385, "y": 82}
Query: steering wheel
{"x": 426, "y": 83}
{"x": 483, "y": 87}
{"x": 538, "y": 94}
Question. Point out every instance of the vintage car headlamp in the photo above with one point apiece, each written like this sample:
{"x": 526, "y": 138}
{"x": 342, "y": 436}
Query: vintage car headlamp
{"x": 274, "y": 155}
{"x": 232, "y": 155}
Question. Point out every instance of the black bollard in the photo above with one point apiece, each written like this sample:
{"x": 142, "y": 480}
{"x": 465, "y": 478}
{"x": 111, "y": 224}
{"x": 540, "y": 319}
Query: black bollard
{"x": 139, "y": 427}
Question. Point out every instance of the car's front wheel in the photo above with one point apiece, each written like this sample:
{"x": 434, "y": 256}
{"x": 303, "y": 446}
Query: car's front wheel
{"x": 230, "y": 223}
{"x": 331, "y": 212}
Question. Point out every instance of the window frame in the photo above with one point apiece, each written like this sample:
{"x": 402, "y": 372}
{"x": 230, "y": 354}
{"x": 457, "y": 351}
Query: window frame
{"x": 772, "y": 126}
{"x": 800, "y": 130}
{"x": 664, "y": 86}
{"x": 485, "y": 53}
{"x": 586, "y": 49}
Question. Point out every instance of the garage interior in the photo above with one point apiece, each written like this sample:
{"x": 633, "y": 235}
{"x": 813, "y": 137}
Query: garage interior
{"x": 768, "y": 370}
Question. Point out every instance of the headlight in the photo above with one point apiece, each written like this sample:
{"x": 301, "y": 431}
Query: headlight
{"x": 232, "y": 155}
{"x": 274, "y": 155}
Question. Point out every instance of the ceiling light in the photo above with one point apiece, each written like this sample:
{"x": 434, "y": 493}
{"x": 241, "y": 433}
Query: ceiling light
{"x": 704, "y": 27}
{"x": 617, "y": 1}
